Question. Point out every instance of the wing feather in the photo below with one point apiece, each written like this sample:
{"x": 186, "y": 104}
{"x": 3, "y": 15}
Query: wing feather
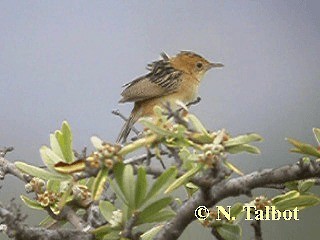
{"x": 160, "y": 81}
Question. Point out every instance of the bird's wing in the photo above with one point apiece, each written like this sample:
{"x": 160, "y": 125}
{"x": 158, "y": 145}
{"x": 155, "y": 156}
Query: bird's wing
{"x": 162, "y": 80}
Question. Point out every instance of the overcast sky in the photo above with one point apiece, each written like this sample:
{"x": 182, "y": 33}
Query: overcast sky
{"x": 67, "y": 60}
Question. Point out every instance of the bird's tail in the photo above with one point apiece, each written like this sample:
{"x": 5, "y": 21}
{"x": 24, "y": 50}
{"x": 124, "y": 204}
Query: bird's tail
{"x": 126, "y": 129}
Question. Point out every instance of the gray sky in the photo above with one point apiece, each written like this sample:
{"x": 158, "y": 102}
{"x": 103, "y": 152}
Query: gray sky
{"x": 67, "y": 60}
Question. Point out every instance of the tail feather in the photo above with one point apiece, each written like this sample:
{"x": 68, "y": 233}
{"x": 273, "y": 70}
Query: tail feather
{"x": 126, "y": 129}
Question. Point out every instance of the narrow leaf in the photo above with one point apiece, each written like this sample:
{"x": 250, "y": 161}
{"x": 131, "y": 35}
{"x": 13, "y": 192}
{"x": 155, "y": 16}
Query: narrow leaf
{"x": 96, "y": 142}
{"x": 128, "y": 185}
{"x": 106, "y": 209}
{"x": 64, "y": 138}
{"x": 99, "y": 183}
{"x": 243, "y": 139}
{"x": 154, "y": 128}
{"x": 141, "y": 187}
{"x": 77, "y": 166}
{"x": 183, "y": 179}
{"x": 243, "y": 148}
{"x": 229, "y": 231}
{"x": 300, "y": 202}
{"x": 162, "y": 181}
{"x": 153, "y": 209}
{"x": 149, "y": 235}
{"x": 161, "y": 216}
{"x": 316, "y": 132}
{"x": 304, "y": 147}
{"x": 41, "y": 173}
{"x": 54, "y": 144}
{"x": 31, "y": 203}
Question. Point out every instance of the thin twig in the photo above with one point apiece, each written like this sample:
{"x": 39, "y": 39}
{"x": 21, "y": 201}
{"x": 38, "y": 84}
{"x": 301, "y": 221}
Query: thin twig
{"x": 256, "y": 224}
{"x": 118, "y": 113}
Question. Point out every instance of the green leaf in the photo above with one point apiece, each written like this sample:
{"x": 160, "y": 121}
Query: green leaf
{"x": 162, "y": 181}
{"x": 301, "y": 202}
{"x": 304, "y": 147}
{"x": 243, "y": 139}
{"x": 113, "y": 235}
{"x": 198, "y": 126}
{"x": 286, "y": 196}
{"x": 243, "y": 148}
{"x": 115, "y": 187}
{"x": 191, "y": 188}
{"x": 154, "y": 128}
{"x": 183, "y": 179}
{"x": 101, "y": 231}
{"x": 31, "y": 203}
{"x": 149, "y": 235}
{"x": 233, "y": 167}
{"x": 41, "y": 173}
{"x": 305, "y": 185}
{"x": 53, "y": 186}
{"x": 236, "y": 209}
{"x": 54, "y": 144}
{"x": 49, "y": 157}
{"x": 99, "y": 183}
{"x": 141, "y": 187}
{"x": 161, "y": 216}
{"x": 118, "y": 170}
{"x": 64, "y": 138}
{"x": 229, "y": 231}
{"x": 106, "y": 209}
{"x": 153, "y": 209}
{"x": 316, "y": 132}
{"x": 128, "y": 185}
{"x": 96, "y": 142}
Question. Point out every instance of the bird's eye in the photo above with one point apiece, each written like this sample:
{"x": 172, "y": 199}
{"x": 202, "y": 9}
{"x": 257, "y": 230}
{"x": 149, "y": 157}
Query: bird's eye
{"x": 199, "y": 65}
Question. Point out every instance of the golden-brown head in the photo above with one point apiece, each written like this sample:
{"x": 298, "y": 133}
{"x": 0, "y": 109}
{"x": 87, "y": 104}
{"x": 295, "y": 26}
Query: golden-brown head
{"x": 192, "y": 63}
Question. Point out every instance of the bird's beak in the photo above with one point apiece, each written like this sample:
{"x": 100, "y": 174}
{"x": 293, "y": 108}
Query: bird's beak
{"x": 216, "y": 65}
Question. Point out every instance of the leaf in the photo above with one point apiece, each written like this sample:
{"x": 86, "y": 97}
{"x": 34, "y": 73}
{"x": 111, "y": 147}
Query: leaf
{"x": 302, "y": 201}
{"x": 99, "y": 183}
{"x": 141, "y": 187}
{"x": 150, "y": 234}
{"x": 49, "y": 157}
{"x": 243, "y": 148}
{"x": 191, "y": 188}
{"x": 183, "y": 179}
{"x": 229, "y": 231}
{"x": 304, "y": 147}
{"x": 64, "y": 198}
{"x": 305, "y": 185}
{"x": 41, "y": 173}
{"x": 161, "y": 216}
{"x": 153, "y": 209}
{"x": 68, "y": 168}
{"x": 31, "y": 203}
{"x": 118, "y": 192}
{"x": 242, "y": 139}
{"x": 162, "y": 181}
{"x": 118, "y": 170}
{"x": 154, "y": 128}
{"x": 64, "y": 138}
{"x": 199, "y": 127}
{"x": 96, "y": 142}
{"x": 54, "y": 144}
{"x": 106, "y": 209}
{"x": 286, "y": 196}
{"x": 236, "y": 209}
{"x": 101, "y": 231}
{"x": 316, "y": 132}
{"x": 53, "y": 186}
{"x": 233, "y": 167}
{"x": 128, "y": 185}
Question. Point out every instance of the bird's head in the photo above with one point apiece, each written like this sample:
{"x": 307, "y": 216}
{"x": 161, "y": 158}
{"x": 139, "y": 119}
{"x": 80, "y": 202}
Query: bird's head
{"x": 192, "y": 63}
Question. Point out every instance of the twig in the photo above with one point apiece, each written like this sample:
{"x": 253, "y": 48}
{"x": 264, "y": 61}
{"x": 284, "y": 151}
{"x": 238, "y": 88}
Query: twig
{"x": 215, "y": 233}
{"x": 235, "y": 187}
{"x": 118, "y": 113}
{"x": 7, "y": 167}
{"x": 256, "y": 224}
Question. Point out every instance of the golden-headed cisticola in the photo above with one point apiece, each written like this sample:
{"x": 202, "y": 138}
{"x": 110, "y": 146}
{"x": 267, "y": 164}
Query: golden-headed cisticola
{"x": 169, "y": 79}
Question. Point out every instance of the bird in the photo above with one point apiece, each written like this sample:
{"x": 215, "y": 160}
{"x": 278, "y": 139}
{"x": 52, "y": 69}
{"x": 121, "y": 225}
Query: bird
{"x": 168, "y": 80}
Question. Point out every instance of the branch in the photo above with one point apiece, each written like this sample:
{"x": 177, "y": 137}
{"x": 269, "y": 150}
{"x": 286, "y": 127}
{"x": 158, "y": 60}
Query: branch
{"x": 7, "y": 167}
{"x": 235, "y": 187}
{"x": 256, "y": 224}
